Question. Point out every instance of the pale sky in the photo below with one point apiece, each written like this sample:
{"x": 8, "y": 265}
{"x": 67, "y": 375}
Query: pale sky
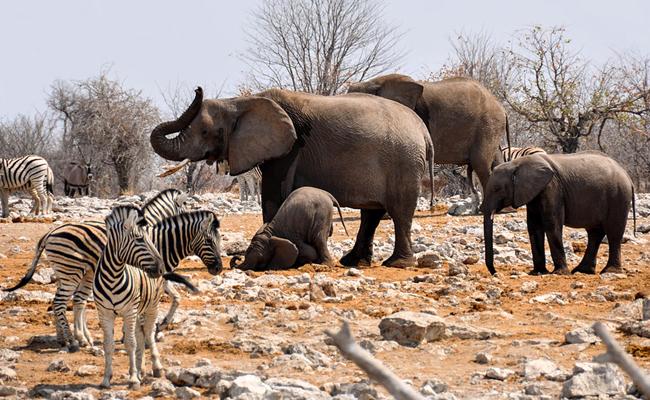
{"x": 150, "y": 44}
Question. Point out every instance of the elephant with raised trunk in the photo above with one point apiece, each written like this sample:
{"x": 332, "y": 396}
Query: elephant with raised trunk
{"x": 465, "y": 120}
{"x": 368, "y": 152}
{"x": 583, "y": 190}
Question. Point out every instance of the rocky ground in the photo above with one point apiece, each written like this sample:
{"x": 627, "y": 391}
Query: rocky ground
{"x": 446, "y": 326}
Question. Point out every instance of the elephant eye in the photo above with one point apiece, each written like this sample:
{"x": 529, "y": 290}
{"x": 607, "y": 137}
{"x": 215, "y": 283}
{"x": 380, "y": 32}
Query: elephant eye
{"x": 205, "y": 132}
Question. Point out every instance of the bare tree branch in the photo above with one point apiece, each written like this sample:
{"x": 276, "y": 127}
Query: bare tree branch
{"x": 371, "y": 366}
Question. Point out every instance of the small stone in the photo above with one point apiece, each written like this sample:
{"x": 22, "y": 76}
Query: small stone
{"x": 185, "y": 393}
{"x": 581, "y": 335}
{"x": 429, "y": 259}
{"x": 248, "y": 385}
{"x": 503, "y": 238}
{"x": 500, "y": 374}
{"x": 87, "y": 370}
{"x": 539, "y": 367}
{"x": 483, "y": 357}
{"x": 58, "y": 366}
{"x": 533, "y": 390}
{"x": 471, "y": 260}
{"x": 458, "y": 269}
{"x": 162, "y": 388}
{"x": 528, "y": 287}
{"x": 7, "y": 374}
{"x": 354, "y": 272}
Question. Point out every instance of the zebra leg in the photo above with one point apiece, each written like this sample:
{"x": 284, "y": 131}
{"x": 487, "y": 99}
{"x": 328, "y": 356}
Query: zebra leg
{"x": 107, "y": 321}
{"x": 4, "y": 197}
{"x": 130, "y": 321}
{"x": 139, "y": 346}
{"x": 150, "y": 338}
{"x": 81, "y": 295}
{"x": 37, "y": 201}
{"x": 176, "y": 298}
{"x": 59, "y": 305}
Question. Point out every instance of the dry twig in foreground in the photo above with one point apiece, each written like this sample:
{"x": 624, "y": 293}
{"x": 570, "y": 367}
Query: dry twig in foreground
{"x": 618, "y": 356}
{"x": 371, "y": 366}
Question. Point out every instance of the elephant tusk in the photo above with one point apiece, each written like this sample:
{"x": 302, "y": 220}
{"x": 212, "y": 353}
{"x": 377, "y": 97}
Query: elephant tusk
{"x": 492, "y": 215}
{"x": 174, "y": 169}
{"x": 233, "y": 261}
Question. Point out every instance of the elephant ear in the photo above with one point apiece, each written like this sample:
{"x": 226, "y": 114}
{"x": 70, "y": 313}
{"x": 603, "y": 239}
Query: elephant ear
{"x": 404, "y": 91}
{"x": 285, "y": 253}
{"x": 529, "y": 179}
{"x": 263, "y": 131}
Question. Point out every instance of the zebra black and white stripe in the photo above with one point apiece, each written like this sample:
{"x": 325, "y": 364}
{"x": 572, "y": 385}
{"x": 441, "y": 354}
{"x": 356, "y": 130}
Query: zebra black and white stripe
{"x": 250, "y": 185}
{"x": 121, "y": 289}
{"x": 73, "y": 250}
{"x": 31, "y": 174}
{"x": 517, "y": 152}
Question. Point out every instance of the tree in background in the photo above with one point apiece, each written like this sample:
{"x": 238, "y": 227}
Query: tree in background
{"x": 109, "y": 125}
{"x": 318, "y": 46}
{"x": 25, "y": 135}
{"x": 550, "y": 85}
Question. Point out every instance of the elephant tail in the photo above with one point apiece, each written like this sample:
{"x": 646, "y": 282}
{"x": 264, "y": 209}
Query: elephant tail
{"x": 30, "y": 272}
{"x": 508, "y": 138}
{"x": 430, "y": 154}
{"x": 633, "y": 212}
{"x": 338, "y": 207}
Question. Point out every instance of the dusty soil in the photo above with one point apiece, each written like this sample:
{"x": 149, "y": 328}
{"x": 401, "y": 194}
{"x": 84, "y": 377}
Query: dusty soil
{"x": 527, "y": 329}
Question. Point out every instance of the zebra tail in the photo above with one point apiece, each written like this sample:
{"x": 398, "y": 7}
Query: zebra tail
{"x": 30, "y": 272}
{"x": 49, "y": 184}
{"x": 338, "y": 207}
{"x": 174, "y": 277}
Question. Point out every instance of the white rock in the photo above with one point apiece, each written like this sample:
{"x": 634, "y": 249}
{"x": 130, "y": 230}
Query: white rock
{"x": 593, "y": 379}
{"x": 581, "y": 335}
{"x": 500, "y": 374}
{"x": 7, "y": 374}
{"x": 44, "y": 276}
{"x": 412, "y": 328}
{"x": 87, "y": 370}
{"x": 162, "y": 388}
{"x": 539, "y": 367}
{"x": 249, "y": 385}
{"x": 528, "y": 287}
{"x": 185, "y": 393}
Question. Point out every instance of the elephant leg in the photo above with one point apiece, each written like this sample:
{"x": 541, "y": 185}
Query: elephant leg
{"x": 4, "y": 197}
{"x": 324, "y": 256}
{"x": 482, "y": 168}
{"x": 614, "y": 237}
{"x": 307, "y": 254}
{"x": 536, "y": 238}
{"x": 554, "y": 236}
{"x": 403, "y": 253}
{"x": 361, "y": 253}
{"x": 588, "y": 263}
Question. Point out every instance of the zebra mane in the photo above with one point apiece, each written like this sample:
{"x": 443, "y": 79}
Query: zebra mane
{"x": 189, "y": 215}
{"x": 167, "y": 192}
{"x": 120, "y": 213}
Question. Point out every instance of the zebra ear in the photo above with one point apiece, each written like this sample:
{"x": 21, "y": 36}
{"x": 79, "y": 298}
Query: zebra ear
{"x": 132, "y": 219}
{"x": 181, "y": 199}
{"x": 207, "y": 222}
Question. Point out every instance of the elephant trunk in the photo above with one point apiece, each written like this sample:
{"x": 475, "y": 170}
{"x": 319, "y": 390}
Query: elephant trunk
{"x": 170, "y": 148}
{"x": 235, "y": 262}
{"x": 488, "y": 222}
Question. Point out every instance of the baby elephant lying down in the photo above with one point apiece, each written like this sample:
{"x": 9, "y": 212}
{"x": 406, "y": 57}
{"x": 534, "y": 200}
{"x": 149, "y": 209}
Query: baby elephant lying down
{"x": 297, "y": 234}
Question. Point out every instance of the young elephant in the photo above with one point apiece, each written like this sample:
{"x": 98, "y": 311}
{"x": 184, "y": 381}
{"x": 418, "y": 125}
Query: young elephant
{"x": 297, "y": 234}
{"x": 584, "y": 190}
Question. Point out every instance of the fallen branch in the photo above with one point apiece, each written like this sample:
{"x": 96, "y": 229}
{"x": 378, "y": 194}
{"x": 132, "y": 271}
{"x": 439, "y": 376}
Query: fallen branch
{"x": 175, "y": 168}
{"x": 617, "y": 355}
{"x": 371, "y": 366}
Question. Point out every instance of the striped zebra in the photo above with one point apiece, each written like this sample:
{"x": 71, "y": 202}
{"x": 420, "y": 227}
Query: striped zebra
{"x": 250, "y": 185}
{"x": 128, "y": 283}
{"x": 31, "y": 174}
{"x": 73, "y": 251}
{"x": 516, "y": 152}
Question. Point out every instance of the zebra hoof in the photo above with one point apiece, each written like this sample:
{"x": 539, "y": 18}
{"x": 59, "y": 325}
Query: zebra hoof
{"x": 134, "y": 385}
{"x": 74, "y": 347}
{"x": 157, "y": 373}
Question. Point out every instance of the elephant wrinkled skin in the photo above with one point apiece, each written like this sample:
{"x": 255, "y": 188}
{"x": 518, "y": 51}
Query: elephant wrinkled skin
{"x": 368, "y": 152}
{"x": 465, "y": 120}
{"x": 583, "y": 190}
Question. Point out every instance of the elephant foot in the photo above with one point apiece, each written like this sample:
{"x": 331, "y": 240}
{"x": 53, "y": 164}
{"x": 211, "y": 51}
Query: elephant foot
{"x": 561, "y": 271}
{"x": 612, "y": 269}
{"x": 585, "y": 269}
{"x": 400, "y": 262}
{"x": 353, "y": 260}
{"x": 539, "y": 271}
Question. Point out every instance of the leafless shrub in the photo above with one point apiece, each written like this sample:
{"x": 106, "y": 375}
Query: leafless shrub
{"x": 318, "y": 46}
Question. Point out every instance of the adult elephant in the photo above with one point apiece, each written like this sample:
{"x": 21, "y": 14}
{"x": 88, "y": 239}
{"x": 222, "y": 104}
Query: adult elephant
{"x": 368, "y": 152}
{"x": 77, "y": 178}
{"x": 465, "y": 120}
